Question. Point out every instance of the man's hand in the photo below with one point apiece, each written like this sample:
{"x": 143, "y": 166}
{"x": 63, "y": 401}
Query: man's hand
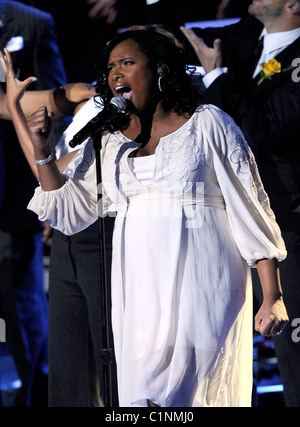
{"x": 106, "y": 9}
{"x": 210, "y": 58}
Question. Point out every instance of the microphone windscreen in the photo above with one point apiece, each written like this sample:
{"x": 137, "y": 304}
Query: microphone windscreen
{"x": 120, "y": 103}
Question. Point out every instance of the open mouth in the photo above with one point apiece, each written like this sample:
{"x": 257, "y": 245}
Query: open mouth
{"x": 124, "y": 91}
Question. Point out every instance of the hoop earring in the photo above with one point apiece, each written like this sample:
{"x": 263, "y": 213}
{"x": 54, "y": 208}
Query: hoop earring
{"x": 159, "y": 84}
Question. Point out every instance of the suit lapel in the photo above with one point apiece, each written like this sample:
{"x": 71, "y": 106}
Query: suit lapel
{"x": 292, "y": 51}
{"x": 285, "y": 58}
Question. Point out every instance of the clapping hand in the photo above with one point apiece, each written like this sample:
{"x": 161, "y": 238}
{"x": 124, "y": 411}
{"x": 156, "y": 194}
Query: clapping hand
{"x": 210, "y": 58}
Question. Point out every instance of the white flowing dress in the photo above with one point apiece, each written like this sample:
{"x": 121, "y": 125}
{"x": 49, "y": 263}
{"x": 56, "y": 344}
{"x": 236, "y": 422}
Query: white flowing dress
{"x": 191, "y": 221}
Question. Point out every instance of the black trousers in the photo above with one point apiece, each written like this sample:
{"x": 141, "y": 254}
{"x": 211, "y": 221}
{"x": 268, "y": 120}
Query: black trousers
{"x": 75, "y": 317}
{"x": 287, "y": 345}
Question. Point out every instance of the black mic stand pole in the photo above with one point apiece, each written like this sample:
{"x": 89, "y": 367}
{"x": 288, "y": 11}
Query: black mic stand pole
{"x": 106, "y": 352}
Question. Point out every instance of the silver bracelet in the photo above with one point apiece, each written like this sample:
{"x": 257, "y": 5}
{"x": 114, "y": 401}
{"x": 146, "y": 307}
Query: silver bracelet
{"x": 43, "y": 162}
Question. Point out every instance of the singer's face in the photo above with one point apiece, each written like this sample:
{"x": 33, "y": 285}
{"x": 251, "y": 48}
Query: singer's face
{"x": 130, "y": 74}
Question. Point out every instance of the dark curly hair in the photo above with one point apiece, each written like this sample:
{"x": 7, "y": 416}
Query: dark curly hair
{"x": 162, "y": 48}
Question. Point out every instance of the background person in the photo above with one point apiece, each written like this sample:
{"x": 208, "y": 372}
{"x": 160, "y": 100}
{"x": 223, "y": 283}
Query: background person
{"x": 266, "y": 107}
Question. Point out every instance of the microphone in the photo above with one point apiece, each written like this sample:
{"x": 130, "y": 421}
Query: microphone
{"x": 118, "y": 104}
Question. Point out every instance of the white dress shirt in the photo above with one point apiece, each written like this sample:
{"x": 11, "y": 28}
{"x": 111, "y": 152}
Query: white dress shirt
{"x": 274, "y": 43}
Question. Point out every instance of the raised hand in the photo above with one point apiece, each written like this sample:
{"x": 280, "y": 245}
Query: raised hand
{"x": 210, "y": 58}
{"x": 14, "y": 88}
{"x": 34, "y": 132}
{"x": 40, "y": 128}
{"x": 103, "y": 9}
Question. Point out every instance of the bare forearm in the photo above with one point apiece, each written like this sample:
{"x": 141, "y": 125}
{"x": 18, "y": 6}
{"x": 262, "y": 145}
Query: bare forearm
{"x": 22, "y": 131}
{"x": 30, "y": 102}
{"x": 63, "y": 101}
{"x": 268, "y": 272}
{"x": 49, "y": 175}
{"x": 272, "y": 316}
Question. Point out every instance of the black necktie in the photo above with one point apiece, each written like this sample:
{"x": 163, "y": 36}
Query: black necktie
{"x": 258, "y": 50}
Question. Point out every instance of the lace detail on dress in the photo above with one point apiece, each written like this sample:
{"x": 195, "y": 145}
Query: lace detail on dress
{"x": 238, "y": 148}
{"x": 240, "y": 154}
{"x": 182, "y": 151}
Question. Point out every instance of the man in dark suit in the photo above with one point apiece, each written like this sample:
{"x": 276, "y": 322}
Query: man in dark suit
{"x": 29, "y": 36}
{"x": 265, "y": 103}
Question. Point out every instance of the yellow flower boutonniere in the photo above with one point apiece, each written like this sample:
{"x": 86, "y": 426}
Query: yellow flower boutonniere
{"x": 268, "y": 69}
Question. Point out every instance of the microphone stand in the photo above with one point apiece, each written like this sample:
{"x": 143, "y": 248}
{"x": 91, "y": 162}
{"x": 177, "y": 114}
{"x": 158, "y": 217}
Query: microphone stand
{"x": 106, "y": 352}
{"x": 94, "y": 130}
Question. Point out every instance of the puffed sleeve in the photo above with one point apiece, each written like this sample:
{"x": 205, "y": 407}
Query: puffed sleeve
{"x": 251, "y": 218}
{"x": 73, "y": 207}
